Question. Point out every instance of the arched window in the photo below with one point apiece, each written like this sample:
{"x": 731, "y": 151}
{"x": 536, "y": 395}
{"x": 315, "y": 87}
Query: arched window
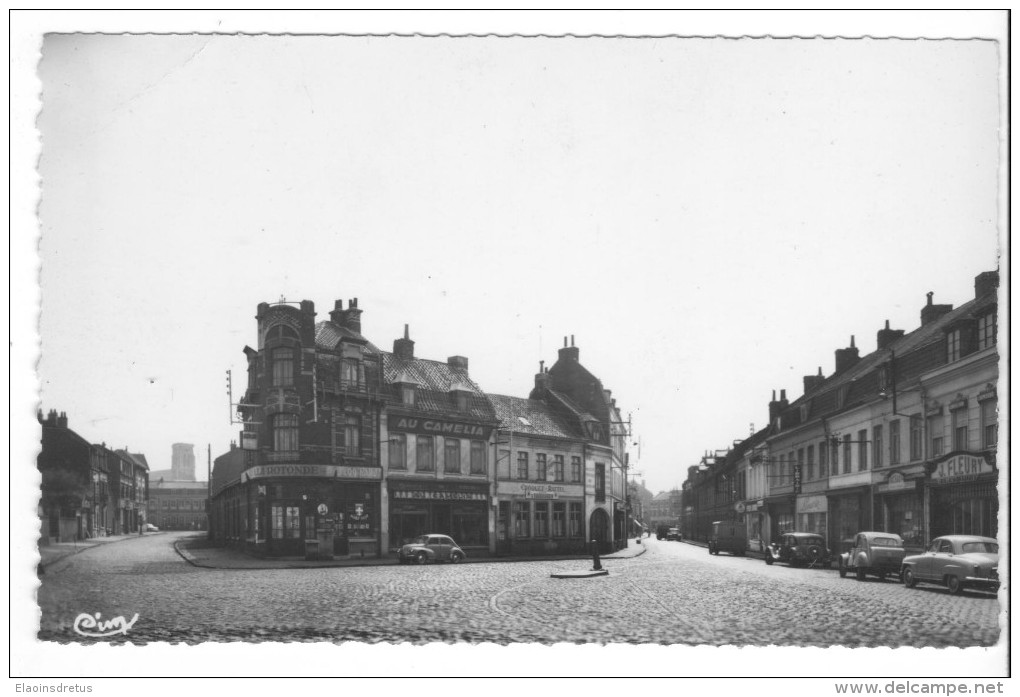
{"x": 285, "y": 432}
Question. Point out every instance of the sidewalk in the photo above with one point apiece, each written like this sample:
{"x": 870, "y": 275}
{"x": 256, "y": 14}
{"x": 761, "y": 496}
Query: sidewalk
{"x": 197, "y": 551}
{"x": 55, "y": 551}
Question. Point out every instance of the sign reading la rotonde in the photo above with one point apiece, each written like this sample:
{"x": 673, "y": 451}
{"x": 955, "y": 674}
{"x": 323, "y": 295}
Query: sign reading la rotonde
{"x": 437, "y": 427}
{"x": 961, "y": 467}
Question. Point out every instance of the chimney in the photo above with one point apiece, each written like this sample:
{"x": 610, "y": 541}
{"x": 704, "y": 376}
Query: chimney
{"x": 810, "y": 383}
{"x": 887, "y": 336}
{"x": 775, "y": 407}
{"x": 985, "y": 283}
{"x": 930, "y": 312}
{"x": 541, "y": 379}
{"x": 459, "y": 362}
{"x": 847, "y": 357}
{"x": 62, "y": 420}
{"x": 570, "y": 353}
{"x": 336, "y": 315}
{"x": 350, "y": 318}
{"x": 404, "y": 348}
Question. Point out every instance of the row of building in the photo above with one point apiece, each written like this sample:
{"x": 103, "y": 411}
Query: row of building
{"x": 87, "y": 489}
{"x": 348, "y": 449}
{"x": 903, "y": 439}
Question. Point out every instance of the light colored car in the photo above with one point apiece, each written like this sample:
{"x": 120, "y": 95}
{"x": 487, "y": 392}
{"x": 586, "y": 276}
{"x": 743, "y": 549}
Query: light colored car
{"x": 149, "y": 527}
{"x": 798, "y": 549}
{"x": 426, "y": 549}
{"x": 875, "y": 553}
{"x": 675, "y": 535}
{"x": 956, "y": 562}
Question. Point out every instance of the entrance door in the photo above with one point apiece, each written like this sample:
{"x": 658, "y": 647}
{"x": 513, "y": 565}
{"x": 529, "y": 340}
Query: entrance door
{"x": 599, "y": 526}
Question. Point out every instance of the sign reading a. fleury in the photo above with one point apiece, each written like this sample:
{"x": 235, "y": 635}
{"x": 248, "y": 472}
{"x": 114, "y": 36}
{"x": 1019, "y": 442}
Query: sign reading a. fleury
{"x": 337, "y": 471}
{"x": 961, "y": 467}
{"x": 437, "y": 427}
{"x": 538, "y": 490}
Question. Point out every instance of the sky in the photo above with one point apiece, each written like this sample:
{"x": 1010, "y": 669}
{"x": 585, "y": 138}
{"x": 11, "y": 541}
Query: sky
{"x": 709, "y": 218}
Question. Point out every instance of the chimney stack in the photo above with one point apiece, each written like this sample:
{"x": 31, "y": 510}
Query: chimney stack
{"x": 775, "y": 407}
{"x": 811, "y": 382}
{"x": 349, "y": 318}
{"x": 847, "y": 357}
{"x": 985, "y": 283}
{"x": 459, "y": 362}
{"x": 931, "y": 312}
{"x": 887, "y": 336}
{"x": 569, "y": 353}
{"x": 404, "y": 348}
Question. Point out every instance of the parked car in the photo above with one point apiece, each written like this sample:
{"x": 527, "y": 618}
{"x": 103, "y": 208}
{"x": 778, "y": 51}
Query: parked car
{"x": 661, "y": 532}
{"x": 674, "y": 534}
{"x": 426, "y": 549}
{"x": 149, "y": 527}
{"x": 728, "y": 536}
{"x": 797, "y": 549}
{"x": 875, "y": 553}
{"x": 956, "y": 562}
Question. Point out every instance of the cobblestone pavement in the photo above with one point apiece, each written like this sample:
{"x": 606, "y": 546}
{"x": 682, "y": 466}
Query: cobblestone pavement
{"x": 674, "y": 594}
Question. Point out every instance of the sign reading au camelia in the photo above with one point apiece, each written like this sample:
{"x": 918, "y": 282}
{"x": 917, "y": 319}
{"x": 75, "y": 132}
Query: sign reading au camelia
{"x": 437, "y": 427}
{"x": 961, "y": 467}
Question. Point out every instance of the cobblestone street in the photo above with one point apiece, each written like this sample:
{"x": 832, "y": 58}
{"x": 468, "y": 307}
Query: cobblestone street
{"x": 675, "y": 593}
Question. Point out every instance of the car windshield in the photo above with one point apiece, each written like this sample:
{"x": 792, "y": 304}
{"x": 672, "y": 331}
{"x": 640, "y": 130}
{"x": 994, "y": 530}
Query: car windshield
{"x": 987, "y": 547}
{"x": 886, "y": 542}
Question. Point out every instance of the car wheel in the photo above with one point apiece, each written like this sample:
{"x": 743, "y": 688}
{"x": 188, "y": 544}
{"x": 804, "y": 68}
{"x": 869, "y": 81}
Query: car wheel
{"x": 862, "y": 573}
{"x": 768, "y": 559}
{"x": 908, "y": 578}
{"x": 842, "y": 569}
{"x": 421, "y": 558}
{"x": 954, "y": 585}
{"x": 455, "y": 558}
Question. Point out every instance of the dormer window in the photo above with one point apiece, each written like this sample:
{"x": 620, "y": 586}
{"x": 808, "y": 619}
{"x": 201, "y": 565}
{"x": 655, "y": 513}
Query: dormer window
{"x": 987, "y": 331}
{"x": 953, "y": 346}
{"x": 407, "y": 394}
{"x": 352, "y": 374}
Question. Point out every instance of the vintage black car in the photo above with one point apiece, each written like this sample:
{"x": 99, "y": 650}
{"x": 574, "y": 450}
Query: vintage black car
{"x": 799, "y": 549}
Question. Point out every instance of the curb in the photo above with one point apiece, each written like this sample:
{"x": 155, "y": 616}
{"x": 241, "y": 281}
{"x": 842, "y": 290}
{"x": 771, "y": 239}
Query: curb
{"x": 84, "y": 548}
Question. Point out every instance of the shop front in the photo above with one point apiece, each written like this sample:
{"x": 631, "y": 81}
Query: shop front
{"x": 849, "y": 514}
{"x": 899, "y": 508}
{"x": 780, "y": 510}
{"x": 754, "y": 519}
{"x": 327, "y": 511}
{"x": 537, "y": 518}
{"x": 812, "y": 515}
{"x": 457, "y": 509}
{"x": 963, "y": 495}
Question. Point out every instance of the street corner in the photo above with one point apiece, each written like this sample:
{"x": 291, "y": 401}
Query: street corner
{"x": 590, "y": 573}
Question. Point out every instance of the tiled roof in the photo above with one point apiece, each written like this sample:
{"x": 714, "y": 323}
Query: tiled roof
{"x": 328, "y": 334}
{"x": 541, "y": 419}
{"x": 136, "y": 458}
{"x": 569, "y": 404}
{"x": 434, "y": 380}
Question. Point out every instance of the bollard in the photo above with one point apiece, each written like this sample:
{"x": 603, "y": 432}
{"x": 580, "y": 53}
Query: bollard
{"x": 596, "y": 563}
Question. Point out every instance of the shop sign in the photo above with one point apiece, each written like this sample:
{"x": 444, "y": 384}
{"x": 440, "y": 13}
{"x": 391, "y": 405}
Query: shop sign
{"x": 437, "y": 427}
{"x": 896, "y": 482}
{"x": 961, "y": 468}
{"x": 249, "y": 441}
{"x": 538, "y": 491}
{"x": 332, "y": 471}
{"x": 419, "y": 495}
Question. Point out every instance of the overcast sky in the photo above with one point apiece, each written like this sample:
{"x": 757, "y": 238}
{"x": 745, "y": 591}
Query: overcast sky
{"x": 709, "y": 218}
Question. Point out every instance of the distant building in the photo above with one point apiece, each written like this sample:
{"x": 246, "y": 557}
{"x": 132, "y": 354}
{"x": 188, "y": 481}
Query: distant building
{"x": 178, "y": 505}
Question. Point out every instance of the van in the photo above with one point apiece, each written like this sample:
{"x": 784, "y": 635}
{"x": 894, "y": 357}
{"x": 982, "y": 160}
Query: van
{"x": 728, "y": 536}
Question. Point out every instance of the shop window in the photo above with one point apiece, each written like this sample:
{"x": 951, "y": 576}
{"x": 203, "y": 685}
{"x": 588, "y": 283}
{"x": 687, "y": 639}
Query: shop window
{"x": 876, "y": 446}
{"x": 960, "y": 436}
{"x": 541, "y": 470}
{"x": 541, "y": 519}
{"x": 905, "y": 515}
{"x": 916, "y": 438}
{"x": 559, "y": 519}
{"x": 862, "y": 450}
{"x": 522, "y": 465}
{"x": 558, "y": 468}
{"x": 398, "y": 451}
{"x": 285, "y": 432}
{"x": 813, "y": 522}
{"x": 285, "y": 522}
{"x": 451, "y": 461}
{"x": 989, "y": 424}
{"x": 478, "y": 457}
{"x": 283, "y": 366}
{"x": 574, "y": 522}
{"x": 352, "y": 435}
{"x": 894, "y": 442}
{"x": 575, "y": 468}
{"x": 522, "y": 519}
{"x": 953, "y": 346}
{"x": 987, "y": 331}
{"x": 426, "y": 460}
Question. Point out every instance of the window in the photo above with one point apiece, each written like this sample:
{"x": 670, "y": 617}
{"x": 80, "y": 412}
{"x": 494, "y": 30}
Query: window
{"x": 894, "y": 442}
{"x": 503, "y": 465}
{"x": 916, "y": 437}
{"x": 285, "y": 432}
{"x": 541, "y": 519}
{"x": 522, "y": 465}
{"x": 800, "y": 461}
{"x": 960, "y": 435}
{"x": 876, "y": 446}
{"x": 810, "y": 462}
{"x": 575, "y": 468}
{"x": 522, "y": 519}
{"x": 862, "y": 450}
{"x": 935, "y": 428}
{"x": 283, "y": 366}
{"x": 407, "y": 394}
{"x": 426, "y": 461}
{"x": 451, "y": 461}
{"x": 285, "y": 523}
{"x": 558, "y": 468}
{"x": 398, "y": 451}
{"x": 541, "y": 471}
{"x": 823, "y": 460}
{"x": 352, "y": 374}
{"x": 600, "y": 482}
{"x": 846, "y": 454}
{"x": 987, "y": 331}
{"x": 352, "y": 435}
{"x": 478, "y": 459}
{"x": 989, "y": 424}
{"x": 559, "y": 519}
{"x": 953, "y": 346}
{"x": 781, "y": 472}
{"x": 575, "y": 525}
